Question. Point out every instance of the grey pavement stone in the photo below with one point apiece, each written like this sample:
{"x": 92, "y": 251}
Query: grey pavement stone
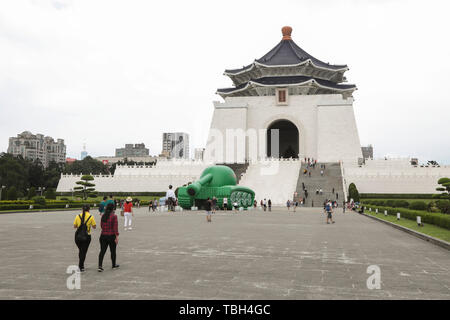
{"x": 250, "y": 255}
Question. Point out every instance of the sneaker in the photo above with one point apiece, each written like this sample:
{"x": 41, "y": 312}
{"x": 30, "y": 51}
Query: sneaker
{"x": 100, "y": 269}
{"x": 82, "y": 270}
{"x": 333, "y": 221}
{"x": 116, "y": 266}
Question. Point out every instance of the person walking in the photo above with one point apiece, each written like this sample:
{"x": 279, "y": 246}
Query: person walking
{"x": 102, "y": 206}
{"x": 255, "y": 203}
{"x": 270, "y": 204}
{"x": 321, "y": 172}
{"x": 225, "y": 203}
{"x": 208, "y": 207}
{"x": 150, "y": 205}
{"x": 111, "y": 200}
{"x": 128, "y": 213}
{"x": 329, "y": 211}
{"x": 343, "y": 206}
{"x": 109, "y": 237}
{"x": 295, "y": 205}
{"x": 288, "y": 204}
{"x": 155, "y": 204}
{"x": 83, "y": 223}
{"x": 265, "y": 204}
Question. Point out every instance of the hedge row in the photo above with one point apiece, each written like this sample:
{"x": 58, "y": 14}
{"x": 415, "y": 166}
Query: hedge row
{"x": 396, "y": 196}
{"x": 434, "y": 218}
{"x": 4, "y": 207}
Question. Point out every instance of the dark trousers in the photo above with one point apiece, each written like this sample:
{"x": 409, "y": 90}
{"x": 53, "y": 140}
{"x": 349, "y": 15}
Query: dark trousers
{"x": 105, "y": 241}
{"x": 82, "y": 251}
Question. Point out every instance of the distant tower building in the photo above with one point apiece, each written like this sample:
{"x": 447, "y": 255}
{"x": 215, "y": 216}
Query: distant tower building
{"x": 176, "y": 144}
{"x": 84, "y": 153}
{"x": 199, "y": 153}
{"x": 367, "y": 152}
{"x": 37, "y": 146}
{"x": 130, "y": 150}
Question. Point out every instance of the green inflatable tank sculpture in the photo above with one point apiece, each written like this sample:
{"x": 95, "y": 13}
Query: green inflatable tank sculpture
{"x": 215, "y": 181}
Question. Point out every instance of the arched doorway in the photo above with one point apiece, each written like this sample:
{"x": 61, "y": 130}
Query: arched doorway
{"x": 288, "y": 139}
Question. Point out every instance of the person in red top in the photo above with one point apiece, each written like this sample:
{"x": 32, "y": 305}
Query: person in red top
{"x": 128, "y": 213}
{"x": 109, "y": 236}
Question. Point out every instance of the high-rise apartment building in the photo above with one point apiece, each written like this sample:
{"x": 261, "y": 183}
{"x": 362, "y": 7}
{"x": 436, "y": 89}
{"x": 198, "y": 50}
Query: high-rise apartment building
{"x": 176, "y": 144}
{"x": 130, "y": 150}
{"x": 36, "y": 146}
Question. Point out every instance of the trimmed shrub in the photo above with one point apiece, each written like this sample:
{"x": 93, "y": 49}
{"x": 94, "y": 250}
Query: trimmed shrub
{"x": 418, "y": 205}
{"x": 39, "y": 200}
{"x": 443, "y": 206}
{"x": 401, "y": 204}
{"x": 390, "y": 203}
{"x": 396, "y": 196}
{"x": 353, "y": 193}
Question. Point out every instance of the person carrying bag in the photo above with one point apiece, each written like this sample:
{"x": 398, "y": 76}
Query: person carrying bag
{"x": 83, "y": 224}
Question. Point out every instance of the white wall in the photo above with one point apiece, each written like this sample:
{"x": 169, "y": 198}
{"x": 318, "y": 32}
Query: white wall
{"x": 325, "y": 122}
{"x": 394, "y": 176}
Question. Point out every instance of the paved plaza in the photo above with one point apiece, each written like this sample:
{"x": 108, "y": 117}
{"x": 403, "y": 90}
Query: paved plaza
{"x": 251, "y": 255}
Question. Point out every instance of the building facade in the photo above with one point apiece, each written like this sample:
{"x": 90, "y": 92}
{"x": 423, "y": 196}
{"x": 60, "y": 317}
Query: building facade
{"x": 130, "y": 150}
{"x": 176, "y": 145}
{"x": 38, "y": 147}
{"x": 291, "y": 98}
{"x": 367, "y": 152}
{"x": 198, "y": 153}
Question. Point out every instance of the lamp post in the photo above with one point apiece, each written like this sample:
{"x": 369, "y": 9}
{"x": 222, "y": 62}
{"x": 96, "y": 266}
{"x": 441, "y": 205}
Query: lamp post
{"x": 1, "y": 189}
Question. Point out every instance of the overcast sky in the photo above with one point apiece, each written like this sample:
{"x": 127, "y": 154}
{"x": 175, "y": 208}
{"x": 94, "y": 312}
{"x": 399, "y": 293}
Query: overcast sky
{"x": 106, "y": 73}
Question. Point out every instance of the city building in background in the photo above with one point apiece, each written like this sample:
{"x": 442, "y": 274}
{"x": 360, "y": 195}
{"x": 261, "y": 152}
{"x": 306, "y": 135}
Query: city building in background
{"x": 198, "y": 153}
{"x": 36, "y": 146}
{"x": 176, "y": 145}
{"x": 84, "y": 153}
{"x": 367, "y": 152}
{"x": 130, "y": 150}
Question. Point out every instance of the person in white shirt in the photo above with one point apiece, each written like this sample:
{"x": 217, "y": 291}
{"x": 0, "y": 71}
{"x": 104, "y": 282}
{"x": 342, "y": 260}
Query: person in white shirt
{"x": 171, "y": 198}
{"x": 225, "y": 204}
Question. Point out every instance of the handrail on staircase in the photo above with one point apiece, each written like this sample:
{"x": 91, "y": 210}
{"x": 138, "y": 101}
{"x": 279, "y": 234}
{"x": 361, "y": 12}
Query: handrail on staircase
{"x": 344, "y": 182}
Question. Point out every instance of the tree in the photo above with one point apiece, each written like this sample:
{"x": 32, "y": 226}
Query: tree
{"x": 445, "y": 188}
{"x": 86, "y": 166}
{"x": 443, "y": 204}
{"x": 85, "y": 188}
{"x": 353, "y": 193}
{"x": 12, "y": 193}
{"x": 50, "y": 194}
{"x": 31, "y": 193}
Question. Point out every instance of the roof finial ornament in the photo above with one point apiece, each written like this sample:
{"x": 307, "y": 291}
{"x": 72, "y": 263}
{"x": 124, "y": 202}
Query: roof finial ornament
{"x": 286, "y": 33}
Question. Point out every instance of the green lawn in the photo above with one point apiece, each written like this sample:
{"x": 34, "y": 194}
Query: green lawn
{"x": 428, "y": 229}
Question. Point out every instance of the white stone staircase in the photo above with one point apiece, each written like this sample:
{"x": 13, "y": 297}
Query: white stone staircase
{"x": 274, "y": 179}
